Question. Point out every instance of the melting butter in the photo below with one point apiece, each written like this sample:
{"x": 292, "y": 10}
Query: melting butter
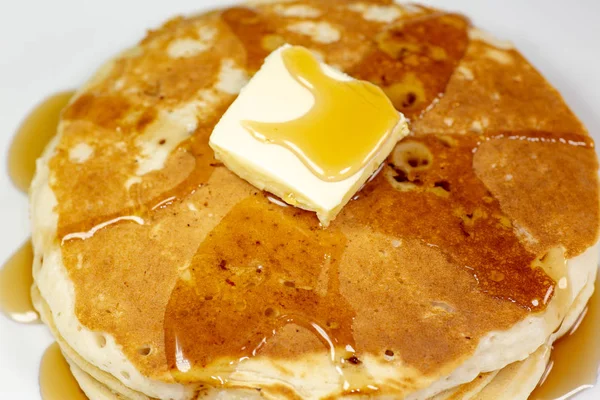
{"x": 343, "y": 130}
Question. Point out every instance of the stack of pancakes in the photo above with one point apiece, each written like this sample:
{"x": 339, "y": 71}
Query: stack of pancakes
{"x": 449, "y": 275}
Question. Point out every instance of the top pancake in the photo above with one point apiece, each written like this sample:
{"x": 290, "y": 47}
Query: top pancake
{"x": 189, "y": 268}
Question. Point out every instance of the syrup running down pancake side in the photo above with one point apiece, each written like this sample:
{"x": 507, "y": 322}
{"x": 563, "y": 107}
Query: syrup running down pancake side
{"x": 253, "y": 279}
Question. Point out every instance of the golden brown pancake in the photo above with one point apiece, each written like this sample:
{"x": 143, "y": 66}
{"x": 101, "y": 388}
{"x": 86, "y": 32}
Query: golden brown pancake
{"x": 189, "y": 273}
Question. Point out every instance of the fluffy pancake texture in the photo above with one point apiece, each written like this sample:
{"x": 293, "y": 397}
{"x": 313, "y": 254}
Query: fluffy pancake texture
{"x": 163, "y": 275}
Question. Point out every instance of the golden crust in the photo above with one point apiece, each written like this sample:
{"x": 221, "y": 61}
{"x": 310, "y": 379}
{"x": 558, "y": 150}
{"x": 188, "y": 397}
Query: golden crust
{"x": 521, "y": 175}
{"x": 497, "y": 90}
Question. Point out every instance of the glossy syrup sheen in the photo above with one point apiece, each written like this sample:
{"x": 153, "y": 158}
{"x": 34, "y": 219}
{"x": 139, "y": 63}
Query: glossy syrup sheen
{"x": 56, "y": 380}
{"x": 342, "y": 131}
{"x": 15, "y": 286}
{"x": 32, "y": 137}
{"x": 254, "y": 282}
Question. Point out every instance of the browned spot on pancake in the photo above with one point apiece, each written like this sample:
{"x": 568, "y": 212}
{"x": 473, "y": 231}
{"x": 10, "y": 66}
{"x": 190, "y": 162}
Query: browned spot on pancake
{"x": 188, "y": 168}
{"x": 462, "y": 224}
{"x": 249, "y": 27}
{"x": 393, "y": 310}
{"x": 194, "y": 168}
{"x": 93, "y": 190}
{"x": 138, "y": 87}
{"x": 105, "y": 111}
{"x": 498, "y": 97}
{"x": 521, "y": 174}
{"x": 262, "y": 30}
{"x": 145, "y": 119}
{"x": 105, "y": 276}
{"x": 281, "y": 268}
{"x": 161, "y": 78}
{"x": 414, "y": 59}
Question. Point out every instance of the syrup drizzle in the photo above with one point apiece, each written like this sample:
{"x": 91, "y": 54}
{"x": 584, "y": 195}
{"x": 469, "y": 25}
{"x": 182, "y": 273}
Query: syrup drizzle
{"x": 343, "y": 130}
{"x": 570, "y": 139}
{"x": 435, "y": 173}
{"x": 258, "y": 289}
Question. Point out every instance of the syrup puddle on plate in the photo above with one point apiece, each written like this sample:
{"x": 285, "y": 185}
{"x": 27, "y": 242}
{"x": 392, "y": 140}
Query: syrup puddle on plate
{"x": 575, "y": 358}
{"x": 30, "y": 140}
{"x": 15, "y": 286}
{"x": 32, "y": 137}
{"x": 56, "y": 380}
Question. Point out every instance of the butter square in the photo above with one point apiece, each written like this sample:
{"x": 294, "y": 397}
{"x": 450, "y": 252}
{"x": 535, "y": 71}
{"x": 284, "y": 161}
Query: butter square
{"x": 273, "y": 95}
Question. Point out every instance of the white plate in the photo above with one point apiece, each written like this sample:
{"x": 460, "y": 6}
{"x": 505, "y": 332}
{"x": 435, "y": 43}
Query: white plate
{"x": 49, "y": 46}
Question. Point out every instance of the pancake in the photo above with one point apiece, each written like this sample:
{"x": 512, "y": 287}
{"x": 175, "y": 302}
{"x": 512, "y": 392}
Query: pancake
{"x": 164, "y": 275}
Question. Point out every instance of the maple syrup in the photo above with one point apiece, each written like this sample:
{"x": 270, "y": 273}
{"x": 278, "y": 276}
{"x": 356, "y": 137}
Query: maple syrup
{"x": 15, "y": 286}
{"x": 344, "y": 129}
{"x": 258, "y": 289}
{"x": 56, "y": 380}
{"x": 575, "y": 358}
{"x": 32, "y": 137}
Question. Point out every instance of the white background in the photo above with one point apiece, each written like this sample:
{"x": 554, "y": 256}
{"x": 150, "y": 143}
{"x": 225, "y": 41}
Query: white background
{"x": 52, "y": 45}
